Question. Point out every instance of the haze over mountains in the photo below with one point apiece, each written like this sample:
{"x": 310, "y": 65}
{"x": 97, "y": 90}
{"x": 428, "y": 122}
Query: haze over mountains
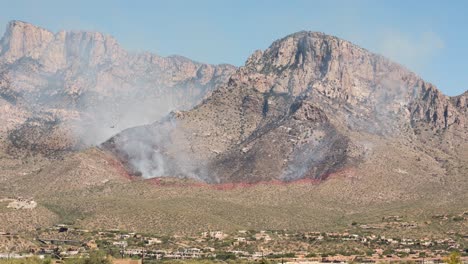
{"x": 300, "y": 109}
{"x": 370, "y": 134}
{"x": 66, "y": 90}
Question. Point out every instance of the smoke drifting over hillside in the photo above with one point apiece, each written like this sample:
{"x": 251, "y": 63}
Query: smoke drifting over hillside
{"x": 142, "y": 148}
{"x": 291, "y": 112}
{"x": 77, "y": 89}
{"x": 303, "y": 108}
{"x": 102, "y": 120}
{"x": 157, "y": 150}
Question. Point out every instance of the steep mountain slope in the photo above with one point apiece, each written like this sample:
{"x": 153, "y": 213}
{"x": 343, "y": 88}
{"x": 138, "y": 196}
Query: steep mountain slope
{"x": 71, "y": 89}
{"x": 308, "y": 106}
{"x": 367, "y": 138}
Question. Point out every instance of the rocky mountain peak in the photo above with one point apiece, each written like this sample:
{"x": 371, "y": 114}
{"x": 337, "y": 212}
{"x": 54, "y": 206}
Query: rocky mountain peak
{"x": 461, "y": 101}
{"x": 55, "y": 50}
{"x": 23, "y": 39}
{"x": 295, "y": 50}
{"x": 313, "y": 62}
{"x": 84, "y": 85}
{"x": 305, "y": 59}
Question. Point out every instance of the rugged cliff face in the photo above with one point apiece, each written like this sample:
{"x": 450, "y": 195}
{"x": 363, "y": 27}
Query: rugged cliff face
{"x": 61, "y": 91}
{"x": 306, "y": 107}
{"x": 311, "y": 107}
{"x": 311, "y": 61}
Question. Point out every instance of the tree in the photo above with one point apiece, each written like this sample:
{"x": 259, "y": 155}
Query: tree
{"x": 453, "y": 258}
{"x": 95, "y": 257}
{"x": 225, "y": 256}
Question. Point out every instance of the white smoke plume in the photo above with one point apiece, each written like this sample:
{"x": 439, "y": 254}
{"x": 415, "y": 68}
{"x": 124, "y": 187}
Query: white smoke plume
{"x": 78, "y": 89}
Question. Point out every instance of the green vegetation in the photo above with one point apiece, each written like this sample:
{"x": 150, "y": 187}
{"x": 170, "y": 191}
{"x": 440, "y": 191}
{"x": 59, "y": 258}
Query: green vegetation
{"x": 95, "y": 257}
{"x": 453, "y": 258}
{"x": 225, "y": 256}
{"x": 285, "y": 255}
{"x": 32, "y": 260}
{"x": 66, "y": 214}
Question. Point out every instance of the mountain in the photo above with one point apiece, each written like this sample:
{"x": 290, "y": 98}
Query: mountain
{"x": 309, "y": 106}
{"x": 313, "y": 133}
{"x": 72, "y": 89}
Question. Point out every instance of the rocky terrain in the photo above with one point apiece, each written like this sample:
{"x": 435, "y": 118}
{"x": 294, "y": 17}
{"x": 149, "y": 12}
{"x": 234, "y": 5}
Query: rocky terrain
{"x": 72, "y": 89}
{"x": 308, "y": 106}
{"x": 312, "y": 133}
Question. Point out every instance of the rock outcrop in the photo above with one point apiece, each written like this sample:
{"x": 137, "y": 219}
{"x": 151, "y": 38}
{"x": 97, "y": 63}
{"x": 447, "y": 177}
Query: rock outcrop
{"x": 90, "y": 85}
{"x": 300, "y": 109}
{"x": 303, "y": 108}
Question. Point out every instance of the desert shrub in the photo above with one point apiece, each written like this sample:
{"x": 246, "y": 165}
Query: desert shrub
{"x": 95, "y": 257}
{"x": 453, "y": 258}
{"x": 225, "y": 256}
{"x": 33, "y": 260}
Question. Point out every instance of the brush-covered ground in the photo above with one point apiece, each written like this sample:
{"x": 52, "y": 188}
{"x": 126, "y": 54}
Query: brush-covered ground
{"x": 372, "y": 138}
{"x": 91, "y": 190}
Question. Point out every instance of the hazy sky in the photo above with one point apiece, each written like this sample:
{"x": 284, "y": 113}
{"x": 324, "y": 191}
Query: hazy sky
{"x": 429, "y": 37}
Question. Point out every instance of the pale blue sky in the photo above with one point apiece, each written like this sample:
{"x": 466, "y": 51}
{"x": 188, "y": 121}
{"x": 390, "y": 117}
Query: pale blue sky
{"x": 429, "y": 37}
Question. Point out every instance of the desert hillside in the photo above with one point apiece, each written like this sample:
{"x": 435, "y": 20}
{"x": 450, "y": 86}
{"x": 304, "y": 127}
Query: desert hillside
{"x": 313, "y": 133}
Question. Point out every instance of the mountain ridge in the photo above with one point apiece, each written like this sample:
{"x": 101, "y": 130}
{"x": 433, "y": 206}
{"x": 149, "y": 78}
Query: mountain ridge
{"x": 308, "y": 82}
{"x": 89, "y": 87}
{"x": 358, "y": 132}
